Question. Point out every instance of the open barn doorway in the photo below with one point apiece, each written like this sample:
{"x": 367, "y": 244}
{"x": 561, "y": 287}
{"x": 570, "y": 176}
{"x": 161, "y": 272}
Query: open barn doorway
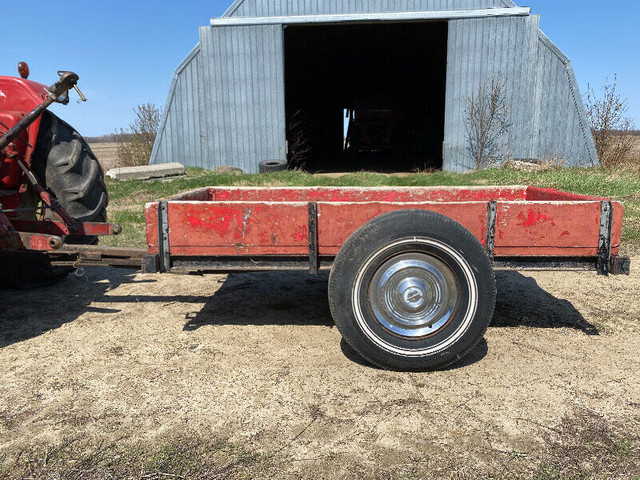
{"x": 366, "y": 97}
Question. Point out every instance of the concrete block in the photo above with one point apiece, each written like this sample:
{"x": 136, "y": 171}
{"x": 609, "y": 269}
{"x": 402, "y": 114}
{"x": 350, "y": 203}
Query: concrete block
{"x": 147, "y": 172}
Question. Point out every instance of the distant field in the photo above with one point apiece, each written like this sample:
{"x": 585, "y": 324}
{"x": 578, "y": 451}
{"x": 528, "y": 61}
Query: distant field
{"x": 106, "y": 153}
{"x": 635, "y": 155}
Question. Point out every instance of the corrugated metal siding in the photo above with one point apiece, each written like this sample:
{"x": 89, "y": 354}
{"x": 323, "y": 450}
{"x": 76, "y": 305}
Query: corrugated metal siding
{"x": 563, "y": 133}
{"x": 273, "y": 8}
{"x": 478, "y": 51}
{"x": 226, "y": 106}
{"x": 546, "y": 108}
{"x": 226, "y": 101}
{"x": 178, "y": 135}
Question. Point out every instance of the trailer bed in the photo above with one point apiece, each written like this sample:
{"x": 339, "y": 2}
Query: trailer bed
{"x": 253, "y": 228}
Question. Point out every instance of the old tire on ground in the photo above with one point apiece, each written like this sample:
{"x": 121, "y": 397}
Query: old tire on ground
{"x": 64, "y": 163}
{"x": 272, "y": 166}
{"x": 412, "y": 290}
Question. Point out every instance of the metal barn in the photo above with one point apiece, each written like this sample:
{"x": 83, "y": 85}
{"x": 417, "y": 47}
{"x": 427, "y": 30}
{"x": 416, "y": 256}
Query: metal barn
{"x": 290, "y": 79}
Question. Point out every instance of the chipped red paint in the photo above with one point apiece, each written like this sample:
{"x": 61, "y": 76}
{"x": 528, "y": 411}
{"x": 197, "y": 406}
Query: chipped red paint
{"x": 218, "y": 221}
{"x": 338, "y": 221}
{"x": 533, "y": 218}
{"x": 354, "y": 194}
{"x": 301, "y": 234}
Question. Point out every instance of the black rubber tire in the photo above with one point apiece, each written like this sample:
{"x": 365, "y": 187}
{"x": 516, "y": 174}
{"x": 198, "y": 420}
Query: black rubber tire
{"x": 23, "y": 269}
{"x": 398, "y": 233}
{"x": 272, "y": 166}
{"x": 300, "y": 137}
{"x": 64, "y": 164}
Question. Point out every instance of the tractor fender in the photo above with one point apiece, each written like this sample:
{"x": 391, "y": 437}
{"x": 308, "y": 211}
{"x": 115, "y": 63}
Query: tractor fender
{"x": 17, "y": 98}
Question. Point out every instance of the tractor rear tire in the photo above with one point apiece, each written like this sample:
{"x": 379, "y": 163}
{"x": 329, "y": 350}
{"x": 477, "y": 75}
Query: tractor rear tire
{"x": 25, "y": 269}
{"x": 64, "y": 163}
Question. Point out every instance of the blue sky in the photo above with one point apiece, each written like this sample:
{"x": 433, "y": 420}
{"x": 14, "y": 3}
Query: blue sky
{"x": 125, "y": 51}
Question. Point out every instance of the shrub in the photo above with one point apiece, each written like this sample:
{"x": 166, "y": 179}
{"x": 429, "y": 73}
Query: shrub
{"x": 612, "y": 130}
{"x": 135, "y": 146}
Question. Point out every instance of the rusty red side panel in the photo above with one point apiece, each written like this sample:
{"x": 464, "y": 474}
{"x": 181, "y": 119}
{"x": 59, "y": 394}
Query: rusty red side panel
{"x": 242, "y": 228}
{"x": 547, "y": 229}
{"x": 337, "y": 221}
{"x": 245, "y": 221}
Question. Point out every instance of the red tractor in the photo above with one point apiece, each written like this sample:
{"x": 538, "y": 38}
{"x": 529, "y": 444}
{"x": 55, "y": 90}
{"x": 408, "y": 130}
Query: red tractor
{"x": 52, "y": 188}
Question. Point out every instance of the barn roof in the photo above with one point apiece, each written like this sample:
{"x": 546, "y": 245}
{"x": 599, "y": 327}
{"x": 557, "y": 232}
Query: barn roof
{"x": 273, "y": 8}
{"x": 335, "y": 18}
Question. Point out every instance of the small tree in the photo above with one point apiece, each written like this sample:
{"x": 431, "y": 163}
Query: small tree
{"x": 611, "y": 129}
{"x": 135, "y": 146}
{"x": 488, "y": 119}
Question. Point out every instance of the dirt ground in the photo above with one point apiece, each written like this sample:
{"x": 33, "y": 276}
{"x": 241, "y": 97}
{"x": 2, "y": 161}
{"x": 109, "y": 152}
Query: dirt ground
{"x": 106, "y": 153}
{"x": 118, "y": 357}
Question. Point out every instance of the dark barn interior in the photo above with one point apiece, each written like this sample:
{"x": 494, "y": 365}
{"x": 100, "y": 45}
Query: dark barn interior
{"x": 366, "y": 96}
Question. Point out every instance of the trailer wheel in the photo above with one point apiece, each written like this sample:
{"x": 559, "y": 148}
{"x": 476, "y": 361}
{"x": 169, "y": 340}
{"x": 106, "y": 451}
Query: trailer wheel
{"x": 412, "y": 290}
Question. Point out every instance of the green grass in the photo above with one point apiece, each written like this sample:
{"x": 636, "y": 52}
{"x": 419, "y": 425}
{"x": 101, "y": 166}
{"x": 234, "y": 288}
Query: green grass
{"x": 128, "y": 197}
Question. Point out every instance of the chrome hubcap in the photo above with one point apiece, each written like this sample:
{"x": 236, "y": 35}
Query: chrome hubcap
{"x": 414, "y": 294}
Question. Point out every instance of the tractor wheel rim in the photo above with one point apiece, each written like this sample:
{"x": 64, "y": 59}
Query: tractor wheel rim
{"x": 414, "y": 295}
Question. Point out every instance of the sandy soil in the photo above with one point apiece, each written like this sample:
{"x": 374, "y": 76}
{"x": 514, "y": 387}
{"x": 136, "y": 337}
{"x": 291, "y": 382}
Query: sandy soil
{"x": 120, "y": 356}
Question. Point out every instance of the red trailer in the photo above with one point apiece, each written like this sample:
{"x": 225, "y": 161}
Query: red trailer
{"x": 412, "y": 283}
{"x": 412, "y": 269}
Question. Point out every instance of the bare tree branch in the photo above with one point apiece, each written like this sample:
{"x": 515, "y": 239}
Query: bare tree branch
{"x": 488, "y": 119}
